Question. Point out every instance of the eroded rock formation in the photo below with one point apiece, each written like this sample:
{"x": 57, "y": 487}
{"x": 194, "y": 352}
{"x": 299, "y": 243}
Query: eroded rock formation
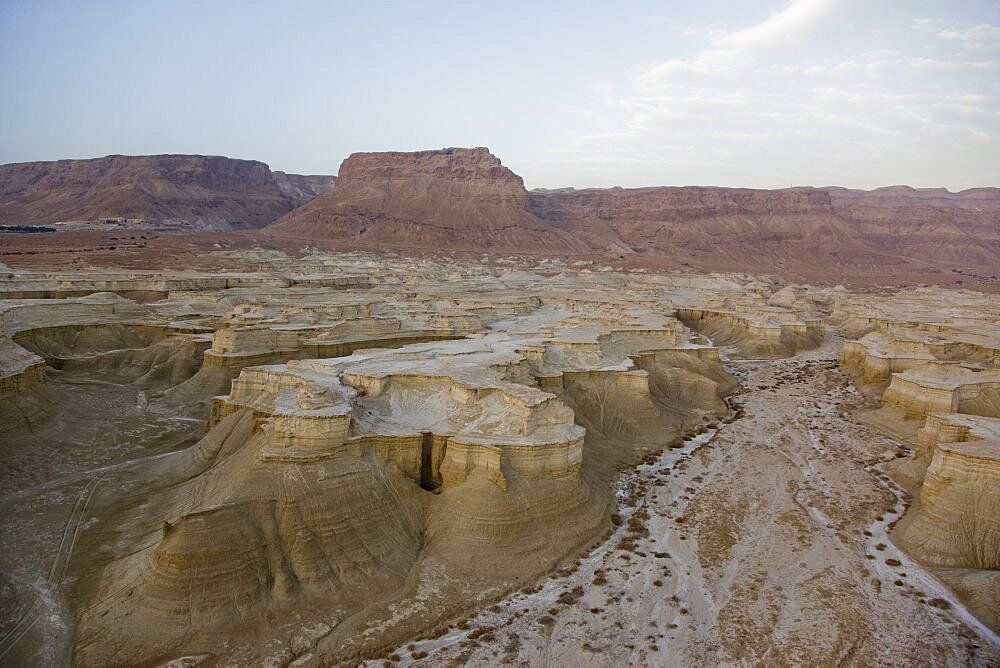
{"x": 358, "y": 436}
{"x": 936, "y": 364}
{"x": 337, "y": 454}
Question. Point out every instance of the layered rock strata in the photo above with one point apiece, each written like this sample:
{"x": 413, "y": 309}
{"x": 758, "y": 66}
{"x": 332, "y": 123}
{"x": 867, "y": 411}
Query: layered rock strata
{"x": 955, "y": 523}
{"x": 759, "y": 332}
{"x": 945, "y": 387}
{"x": 469, "y": 455}
{"x": 937, "y": 362}
{"x": 369, "y": 448}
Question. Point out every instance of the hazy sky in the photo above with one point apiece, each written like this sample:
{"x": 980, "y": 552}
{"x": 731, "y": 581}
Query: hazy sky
{"x": 860, "y": 93}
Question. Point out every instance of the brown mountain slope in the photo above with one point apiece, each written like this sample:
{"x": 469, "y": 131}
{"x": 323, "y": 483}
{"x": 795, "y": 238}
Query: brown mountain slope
{"x": 464, "y": 199}
{"x": 719, "y": 227}
{"x": 931, "y": 224}
{"x": 200, "y": 192}
{"x": 794, "y": 229}
{"x": 454, "y": 198}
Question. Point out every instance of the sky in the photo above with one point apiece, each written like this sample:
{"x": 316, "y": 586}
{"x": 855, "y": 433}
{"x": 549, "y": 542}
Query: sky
{"x": 858, "y": 93}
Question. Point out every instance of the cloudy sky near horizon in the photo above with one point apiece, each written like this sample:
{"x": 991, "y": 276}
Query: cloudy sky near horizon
{"x": 756, "y": 93}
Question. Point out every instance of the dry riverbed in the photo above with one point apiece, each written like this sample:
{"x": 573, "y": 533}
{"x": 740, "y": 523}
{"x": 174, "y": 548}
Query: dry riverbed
{"x": 763, "y": 541}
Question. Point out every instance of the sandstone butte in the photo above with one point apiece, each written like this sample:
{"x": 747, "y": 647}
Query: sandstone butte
{"x": 342, "y": 457}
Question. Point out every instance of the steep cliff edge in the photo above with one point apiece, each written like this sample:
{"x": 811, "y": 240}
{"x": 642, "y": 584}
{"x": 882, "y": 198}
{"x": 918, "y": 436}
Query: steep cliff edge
{"x": 453, "y": 198}
{"x": 191, "y": 191}
{"x": 954, "y": 525}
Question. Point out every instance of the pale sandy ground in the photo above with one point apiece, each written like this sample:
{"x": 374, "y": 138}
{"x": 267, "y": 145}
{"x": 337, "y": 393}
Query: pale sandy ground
{"x": 757, "y": 554}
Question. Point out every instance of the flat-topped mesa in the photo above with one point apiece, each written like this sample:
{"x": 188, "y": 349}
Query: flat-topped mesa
{"x": 944, "y": 387}
{"x": 26, "y": 314}
{"x": 953, "y": 428}
{"x": 33, "y": 331}
{"x": 889, "y": 346}
{"x": 268, "y": 342}
{"x": 956, "y": 520}
{"x": 505, "y": 427}
{"x": 145, "y": 287}
{"x": 299, "y": 309}
{"x": 447, "y": 164}
{"x": 945, "y": 319}
{"x": 621, "y": 341}
{"x": 594, "y": 343}
{"x": 446, "y": 199}
{"x": 249, "y": 340}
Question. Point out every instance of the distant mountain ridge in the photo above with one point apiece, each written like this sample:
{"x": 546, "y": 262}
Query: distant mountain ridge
{"x": 465, "y": 199}
{"x": 192, "y": 191}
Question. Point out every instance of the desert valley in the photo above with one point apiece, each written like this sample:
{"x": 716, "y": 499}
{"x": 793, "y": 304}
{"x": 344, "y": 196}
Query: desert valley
{"x": 418, "y": 414}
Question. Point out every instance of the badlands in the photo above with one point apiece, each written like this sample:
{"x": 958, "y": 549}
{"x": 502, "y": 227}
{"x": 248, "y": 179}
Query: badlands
{"x": 344, "y": 458}
{"x": 418, "y": 414}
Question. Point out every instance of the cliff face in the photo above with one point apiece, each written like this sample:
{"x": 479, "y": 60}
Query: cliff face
{"x": 930, "y": 223}
{"x": 793, "y": 228}
{"x": 454, "y": 198}
{"x": 202, "y": 192}
{"x": 719, "y": 226}
{"x": 464, "y": 199}
{"x": 956, "y": 520}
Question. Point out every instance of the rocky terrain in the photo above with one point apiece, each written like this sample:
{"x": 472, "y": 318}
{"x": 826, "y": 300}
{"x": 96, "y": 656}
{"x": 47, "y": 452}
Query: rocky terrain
{"x": 330, "y": 458}
{"x": 152, "y": 192}
{"x": 931, "y": 371}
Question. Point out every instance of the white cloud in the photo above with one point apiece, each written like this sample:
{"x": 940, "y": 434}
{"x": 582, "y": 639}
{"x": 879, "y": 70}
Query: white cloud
{"x": 806, "y": 95}
{"x": 789, "y": 23}
{"x": 980, "y": 36}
